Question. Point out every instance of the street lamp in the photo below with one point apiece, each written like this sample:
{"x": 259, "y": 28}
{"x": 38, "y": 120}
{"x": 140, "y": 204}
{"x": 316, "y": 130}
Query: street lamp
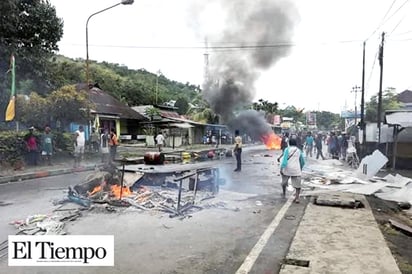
{"x": 122, "y": 2}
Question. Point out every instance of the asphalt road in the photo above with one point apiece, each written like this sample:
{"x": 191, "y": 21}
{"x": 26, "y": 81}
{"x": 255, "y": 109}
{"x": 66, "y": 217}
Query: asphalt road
{"x": 213, "y": 240}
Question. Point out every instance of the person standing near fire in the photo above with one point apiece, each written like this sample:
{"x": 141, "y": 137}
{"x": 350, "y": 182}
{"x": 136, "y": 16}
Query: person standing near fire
{"x": 104, "y": 145}
{"x": 79, "y": 143}
{"x": 113, "y": 143}
{"x": 291, "y": 167}
{"x": 237, "y": 151}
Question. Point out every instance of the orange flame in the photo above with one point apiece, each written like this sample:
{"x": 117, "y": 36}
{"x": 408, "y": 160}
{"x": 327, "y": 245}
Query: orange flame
{"x": 271, "y": 140}
{"x": 95, "y": 190}
{"x": 116, "y": 191}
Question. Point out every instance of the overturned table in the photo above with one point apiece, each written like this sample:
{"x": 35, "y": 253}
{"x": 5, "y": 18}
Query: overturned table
{"x": 158, "y": 173}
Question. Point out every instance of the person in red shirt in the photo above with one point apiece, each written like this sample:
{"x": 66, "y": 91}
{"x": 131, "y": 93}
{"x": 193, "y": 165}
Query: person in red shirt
{"x": 32, "y": 147}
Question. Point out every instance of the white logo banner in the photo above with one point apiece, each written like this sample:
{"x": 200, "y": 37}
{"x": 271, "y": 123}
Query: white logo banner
{"x": 61, "y": 250}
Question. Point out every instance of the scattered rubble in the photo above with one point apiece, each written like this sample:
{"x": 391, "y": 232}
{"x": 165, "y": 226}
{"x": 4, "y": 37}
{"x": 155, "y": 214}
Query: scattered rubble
{"x": 323, "y": 179}
{"x": 104, "y": 191}
{"x": 41, "y": 224}
{"x": 338, "y": 199}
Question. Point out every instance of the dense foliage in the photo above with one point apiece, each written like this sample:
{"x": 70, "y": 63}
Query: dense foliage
{"x": 13, "y": 146}
{"x": 389, "y": 102}
{"x": 30, "y": 31}
{"x": 64, "y": 105}
{"x": 134, "y": 87}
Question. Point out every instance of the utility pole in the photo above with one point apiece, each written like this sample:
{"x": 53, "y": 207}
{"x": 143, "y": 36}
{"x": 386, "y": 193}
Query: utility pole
{"x": 206, "y": 77}
{"x": 362, "y": 114}
{"x": 380, "y": 88}
{"x": 356, "y": 89}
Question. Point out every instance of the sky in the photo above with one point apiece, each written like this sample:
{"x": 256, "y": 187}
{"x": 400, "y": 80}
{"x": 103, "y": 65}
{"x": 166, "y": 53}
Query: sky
{"x": 321, "y": 66}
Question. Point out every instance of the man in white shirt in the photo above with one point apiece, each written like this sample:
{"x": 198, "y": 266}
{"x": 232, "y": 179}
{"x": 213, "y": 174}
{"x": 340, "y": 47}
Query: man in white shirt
{"x": 160, "y": 141}
{"x": 79, "y": 143}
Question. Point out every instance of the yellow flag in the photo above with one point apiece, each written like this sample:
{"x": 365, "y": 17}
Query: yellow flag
{"x": 11, "y": 107}
{"x": 11, "y": 111}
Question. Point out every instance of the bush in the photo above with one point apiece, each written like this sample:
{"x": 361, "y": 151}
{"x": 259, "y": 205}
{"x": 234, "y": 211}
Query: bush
{"x": 13, "y": 147}
{"x": 64, "y": 141}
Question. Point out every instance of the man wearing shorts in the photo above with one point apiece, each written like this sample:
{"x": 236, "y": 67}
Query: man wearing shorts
{"x": 291, "y": 167}
{"x": 79, "y": 143}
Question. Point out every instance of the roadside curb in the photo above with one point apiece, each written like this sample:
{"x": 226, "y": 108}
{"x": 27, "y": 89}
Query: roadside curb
{"x": 43, "y": 173}
{"x": 66, "y": 170}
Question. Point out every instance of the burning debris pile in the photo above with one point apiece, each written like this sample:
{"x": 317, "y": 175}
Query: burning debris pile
{"x": 110, "y": 190}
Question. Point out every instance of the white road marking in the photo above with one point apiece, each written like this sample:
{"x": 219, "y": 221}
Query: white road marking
{"x": 261, "y": 243}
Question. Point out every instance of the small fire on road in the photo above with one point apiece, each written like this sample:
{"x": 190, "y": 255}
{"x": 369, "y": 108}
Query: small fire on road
{"x": 114, "y": 191}
{"x": 271, "y": 140}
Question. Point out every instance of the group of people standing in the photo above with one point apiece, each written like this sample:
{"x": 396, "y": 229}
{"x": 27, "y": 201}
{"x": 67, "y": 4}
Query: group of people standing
{"x": 106, "y": 142}
{"x": 44, "y": 145}
{"x": 36, "y": 144}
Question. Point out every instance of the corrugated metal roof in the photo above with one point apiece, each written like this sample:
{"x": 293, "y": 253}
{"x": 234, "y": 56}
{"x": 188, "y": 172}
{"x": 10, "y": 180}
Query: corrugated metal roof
{"x": 107, "y": 104}
{"x": 402, "y": 118}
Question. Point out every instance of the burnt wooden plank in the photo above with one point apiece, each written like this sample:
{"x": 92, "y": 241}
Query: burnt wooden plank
{"x": 405, "y": 228}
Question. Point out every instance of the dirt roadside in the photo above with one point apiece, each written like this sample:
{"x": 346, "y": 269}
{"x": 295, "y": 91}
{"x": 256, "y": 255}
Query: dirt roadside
{"x": 398, "y": 242}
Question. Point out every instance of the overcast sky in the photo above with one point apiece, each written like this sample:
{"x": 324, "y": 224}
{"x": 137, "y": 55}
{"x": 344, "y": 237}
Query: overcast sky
{"x": 323, "y": 63}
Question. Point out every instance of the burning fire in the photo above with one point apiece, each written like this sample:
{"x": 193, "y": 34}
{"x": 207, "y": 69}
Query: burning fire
{"x": 95, "y": 190}
{"x": 271, "y": 140}
{"x": 116, "y": 189}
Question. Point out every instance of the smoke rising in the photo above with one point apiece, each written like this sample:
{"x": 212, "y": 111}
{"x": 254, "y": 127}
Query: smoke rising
{"x": 251, "y": 122}
{"x": 249, "y": 42}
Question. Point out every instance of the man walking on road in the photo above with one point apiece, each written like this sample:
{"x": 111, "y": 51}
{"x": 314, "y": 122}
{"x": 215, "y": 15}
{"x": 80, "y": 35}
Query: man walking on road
{"x": 309, "y": 144}
{"x": 160, "y": 139}
{"x": 237, "y": 150}
{"x": 318, "y": 144}
{"x": 291, "y": 167}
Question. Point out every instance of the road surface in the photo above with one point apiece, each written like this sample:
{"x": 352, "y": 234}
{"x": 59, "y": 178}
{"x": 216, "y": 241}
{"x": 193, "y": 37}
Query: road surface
{"x": 250, "y": 234}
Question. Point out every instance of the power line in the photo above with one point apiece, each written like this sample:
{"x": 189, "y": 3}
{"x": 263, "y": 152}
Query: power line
{"x": 397, "y": 25}
{"x": 373, "y": 66}
{"x": 402, "y": 33}
{"x": 233, "y": 47}
{"x": 396, "y": 11}
{"x": 383, "y": 20}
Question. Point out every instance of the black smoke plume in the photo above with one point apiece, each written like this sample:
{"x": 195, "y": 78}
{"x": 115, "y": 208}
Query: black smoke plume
{"x": 256, "y": 34}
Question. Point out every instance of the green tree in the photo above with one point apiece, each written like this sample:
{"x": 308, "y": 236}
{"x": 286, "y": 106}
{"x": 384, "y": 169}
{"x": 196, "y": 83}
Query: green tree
{"x": 326, "y": 120}
{"x": 153, "y": 113}
{"x": 269, "y": 108}
{"x": 68, "y": 105}
{"x": 33, "y": 110}
{"x": 293, "y": 112}
{"x": 182, "y": 104}
{"x": 30, "y": 30}
{"x": 389, "y": 102}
